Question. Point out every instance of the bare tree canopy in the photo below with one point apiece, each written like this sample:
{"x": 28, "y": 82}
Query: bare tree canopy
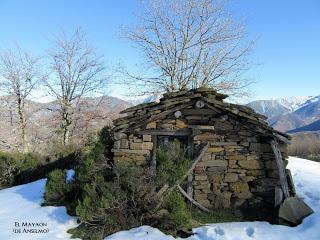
{"x": 76, "y": 72}
{"x": 19, "y": 75}
{"x": 188, "y": 44}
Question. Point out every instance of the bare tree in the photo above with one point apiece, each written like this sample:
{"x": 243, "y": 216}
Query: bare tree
{"x": 188, "y": 44}
{"x": 19, "y": 72}
{"x": 76, "y": 72}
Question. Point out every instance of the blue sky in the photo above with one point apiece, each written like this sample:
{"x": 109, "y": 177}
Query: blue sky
{"x": 286, "y": 57}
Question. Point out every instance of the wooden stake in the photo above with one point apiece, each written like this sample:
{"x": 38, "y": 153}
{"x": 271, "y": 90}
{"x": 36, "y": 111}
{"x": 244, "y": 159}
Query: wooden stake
{"x": 194, "y": 202}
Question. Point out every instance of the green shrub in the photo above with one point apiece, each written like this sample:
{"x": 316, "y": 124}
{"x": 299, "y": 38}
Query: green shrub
{"x": 57, "y": 150}
{"x": 117, "y": 203}
{"x": 172, "y": 163}
{"x": 178, "y": 211}
{"x": 8, "y": 169}
{"x": 56, "y": 188}
{"x": 216, "y": 216}
{"x": 12, "y": 163}
{"x": 97, "y": 157}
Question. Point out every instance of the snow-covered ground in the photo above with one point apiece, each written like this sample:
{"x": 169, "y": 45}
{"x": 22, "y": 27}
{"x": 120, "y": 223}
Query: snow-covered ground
{"x": 21, "y": 204}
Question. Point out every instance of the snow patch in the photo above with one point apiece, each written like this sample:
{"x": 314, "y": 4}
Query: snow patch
{"x": 22, "y": 204}
{"x": 70, "y": 174}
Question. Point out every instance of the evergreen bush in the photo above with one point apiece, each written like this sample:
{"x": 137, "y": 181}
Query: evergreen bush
{"x": 12, "y": 163}
{"x": 56, "y": 188}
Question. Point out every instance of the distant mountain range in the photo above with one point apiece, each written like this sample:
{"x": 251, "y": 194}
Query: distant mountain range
{"x": 292, "y": 115}
{"x": 276, "y": 107}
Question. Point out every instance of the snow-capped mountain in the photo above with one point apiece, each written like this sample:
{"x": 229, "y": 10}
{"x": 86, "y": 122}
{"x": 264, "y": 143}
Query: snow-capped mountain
{"x": 280, "y": 106}
{"x": 290, "y": 114}
{"x": 295, "y": 102}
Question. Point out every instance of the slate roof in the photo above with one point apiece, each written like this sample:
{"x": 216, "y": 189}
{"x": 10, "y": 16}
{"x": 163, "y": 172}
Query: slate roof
{"x": 142, "y": 114}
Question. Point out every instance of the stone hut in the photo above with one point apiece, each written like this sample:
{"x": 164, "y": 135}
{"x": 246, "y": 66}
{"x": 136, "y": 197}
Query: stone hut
{"x": 240, "y": 159}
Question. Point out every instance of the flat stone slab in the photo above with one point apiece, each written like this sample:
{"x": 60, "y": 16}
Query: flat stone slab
{"x": 294, "y": 210}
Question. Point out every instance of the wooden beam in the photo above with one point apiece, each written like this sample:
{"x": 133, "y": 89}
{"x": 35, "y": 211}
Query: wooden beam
{"x": 281, "y": 168}
{"x": 180, "y": 180}
{"x": 194, "y": 202}
{"x": 182, "y": 132}
{"x": 203, "y": 111}
{"x": 153, "y": 162}
{"x": 201, "y": 127}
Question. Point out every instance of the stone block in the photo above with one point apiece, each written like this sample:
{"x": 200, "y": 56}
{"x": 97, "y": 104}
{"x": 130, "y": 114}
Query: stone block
{"x": 245, "y": 195}
{"x": 215, "y": 170}
{"x": 223, "y": 125}
{"x": 116, "y": 144}
{"x": 147, "y": 145}
{"x": 252, "y": 157}
{"x": 224, "y": 144}
{"x": 237, "y": 170}
{"x": 215, "y": 149}
{"x": 199, "y": 185}
{"x": 239, "y": 187}
{"x": 248, "y": 178}
{"x": 252, "y": 164}
{"x": 119, "y": 135}
{"x": 206, "y": 157}
{"x": 245, "y": 133}
{"x": 215, "y": 178}
{"x": 272, "y": 165}
{"x": 233, "y": 164}
{"x": 181, "y": 124}
{"x": 201, "y": 196}
{"x": 200, "y": 177}
{"x": 136, "y": 146}
{"x": 213, "y": 163}
{"x": 206, "y": 136}
{"x": 124, "y": 143}
{"x": 223, "y": 200}
{"x": 205, "y": 203}
{"x": 265, "y": 147}
{"x": 255, "y": 147}
{"x": 146, "y": 138}
{"x": 206, "y": 190}
{"x": 256, "y": 173}
{"x": 137, "y": 139}
{"x": 230, "y": 177}
{"x": 167, "y": 126}
{"x": 236, "y": 157}
{"x": 294, "y": 210}
{"x": 151, "y": 125}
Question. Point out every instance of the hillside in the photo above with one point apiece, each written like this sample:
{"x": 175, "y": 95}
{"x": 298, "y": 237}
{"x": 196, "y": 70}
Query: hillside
{"x": 93, "y": 114}
{"x": 312, "y": 127}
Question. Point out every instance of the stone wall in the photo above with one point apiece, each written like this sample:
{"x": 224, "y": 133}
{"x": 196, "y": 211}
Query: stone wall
{"x": 238, "y": 169}
{"x": 132, "y": 148}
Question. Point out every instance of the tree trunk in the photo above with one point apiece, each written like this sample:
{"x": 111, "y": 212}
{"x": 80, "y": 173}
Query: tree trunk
{"x": 66, "y": 122}
{"x": 22, "y": 123}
